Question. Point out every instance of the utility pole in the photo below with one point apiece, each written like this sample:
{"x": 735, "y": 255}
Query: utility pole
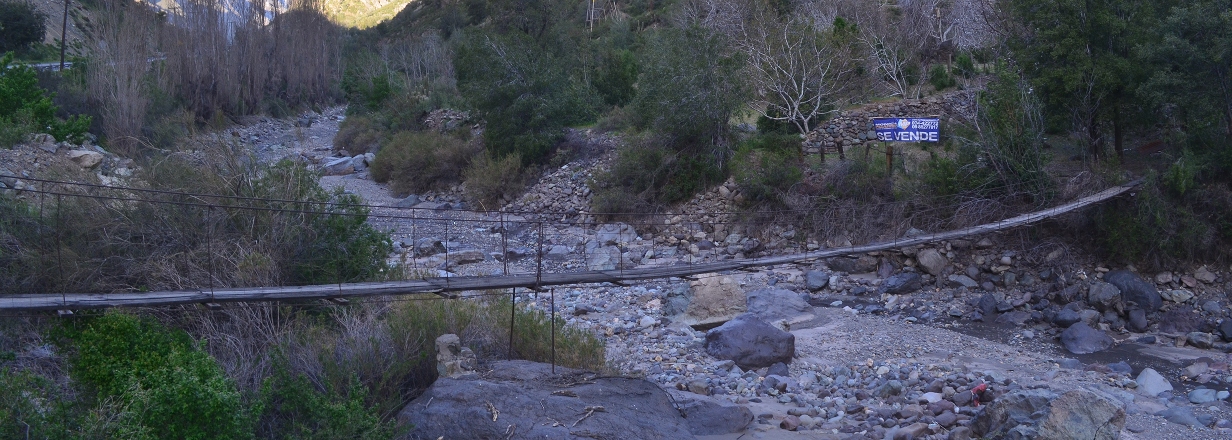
{"x": 63, "y": 33}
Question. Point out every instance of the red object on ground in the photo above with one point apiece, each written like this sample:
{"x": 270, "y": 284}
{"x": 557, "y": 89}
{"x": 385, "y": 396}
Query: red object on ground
{"x": 975, "y": 394}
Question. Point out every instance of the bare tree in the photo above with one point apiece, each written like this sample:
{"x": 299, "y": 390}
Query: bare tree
{"x": 122, "y": 48}
{"x": 897, "y": 39}
{"x": 800, "y": 74}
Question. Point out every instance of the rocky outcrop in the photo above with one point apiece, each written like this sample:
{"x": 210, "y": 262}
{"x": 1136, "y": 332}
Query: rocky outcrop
{"x": 1042, "y": 414}
{"x": 772, "y": 305}
{"x": 713, "y": 300}
{"x": 710, "y": 416}
{"x": 452, "y": 359}
{"x": 524, "y": 400}
{"x": 750, "y": 342}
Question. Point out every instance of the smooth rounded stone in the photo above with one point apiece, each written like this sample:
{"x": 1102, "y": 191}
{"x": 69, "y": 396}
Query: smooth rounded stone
{"x": 1222, "y": 395}
{"x": 1080, "y": 338}
{"x": 1212, "y": 307}
{"x": 1066, "y": 317}
{"x": 1121, "y": 367}
{"x": 931, "y": 397}
{"x": 1203, "y": 395}
{"x": 946, "y": 419}
{"x": 1196, "y": 369}
{"x": 890, "y": 388}
{"x": 1151, "y": 383}
{"x": 1137, "y": 320}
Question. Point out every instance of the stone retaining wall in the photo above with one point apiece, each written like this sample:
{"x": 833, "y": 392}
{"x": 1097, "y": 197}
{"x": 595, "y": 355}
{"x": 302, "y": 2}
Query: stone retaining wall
{"x": 855, "y": 127}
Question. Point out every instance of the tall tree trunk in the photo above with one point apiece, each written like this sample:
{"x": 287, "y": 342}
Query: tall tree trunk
{"x": 1093, "y": 136}
{"x": 1117, "y": 135}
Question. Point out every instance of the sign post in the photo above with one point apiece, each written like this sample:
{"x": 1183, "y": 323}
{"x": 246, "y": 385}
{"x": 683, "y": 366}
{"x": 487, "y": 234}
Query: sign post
{"x": 905, "y": 130}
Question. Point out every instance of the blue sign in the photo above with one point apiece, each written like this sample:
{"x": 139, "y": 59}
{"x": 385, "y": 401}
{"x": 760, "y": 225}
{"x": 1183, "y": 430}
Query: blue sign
{"x": 907, "y": 129}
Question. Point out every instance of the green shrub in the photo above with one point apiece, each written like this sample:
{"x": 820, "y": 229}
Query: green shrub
{"x": 24, "y": 25}
{"x": 1150, "y": 225}
{"x": 1182, "y": 175}
{"x": 645, "y": 177}
{"x": 686, "y": 92}
{"x": 765, "y": 170}
{"x": 490, "y": 180}
{"x": 615, "y": 77}
{"x": 419, "y": 161}
{"x": 940, "y": 78}
{"x": 340, "y": 246}
{"x": 296, "y": 409}
{"x": 26, "y": 108}
{"x": 964, "y": 65}
{"x": 172, "y": 389}
{"x": 524, "y": 94}
{"x": 358, "y": 134}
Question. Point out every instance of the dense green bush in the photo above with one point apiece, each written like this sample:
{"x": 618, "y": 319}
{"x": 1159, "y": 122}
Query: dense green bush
{"x": 419, "y": 161}
{"x": 524, "y": 94}
{"x": 358, "y": 134}
{"x": 686, "y": 92}
{"x": 1153, "y": 229}
{"x": 296, "y": 409}
{"x": 766, "y": 167}
{"x": 490, "y": 180}
{"x": 964, "y": 65}
{"x": 940, "y": 78}
{"x": 616, "y": 76}
{"x": 339, "y": 246}
{"x": 171, "y": 388}
{"x": 26, "y": 108}
{"x": 23, "y": 25}
{"x": 646, "y": 177}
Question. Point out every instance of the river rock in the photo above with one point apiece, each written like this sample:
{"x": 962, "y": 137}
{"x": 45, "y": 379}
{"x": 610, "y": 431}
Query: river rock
{"x": 338, "y": 167}
{"x": 901, "y": 284}
{"x": 1104, "y": 296}
{"x": 750, "y": 342}
{"x": 1080, "y": 338}
{"x": 1134, "y": 289}
{"x": 1225, "y": 329}
{"x": 932, "y": 261}
{"x": 1151, "y": 383}
{"x": 963, "y": 281}
{"x": 615, "y": 233}
{"x": 1200, "y": 339}
{"x": 816, "y": 280}
{"x": 522, "y": 397}
{"x": 85, "y": 158}
{"x": 1202, "y": 395}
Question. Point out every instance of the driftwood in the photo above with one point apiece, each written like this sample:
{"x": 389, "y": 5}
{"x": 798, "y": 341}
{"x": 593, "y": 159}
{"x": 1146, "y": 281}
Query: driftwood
{"x": 440, "y": 286}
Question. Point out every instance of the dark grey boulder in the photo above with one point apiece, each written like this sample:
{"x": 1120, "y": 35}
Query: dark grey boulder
{"x": 750, "y": 342}
{"x": 1105, "y": 297}
{"x": 1135, "y": 289}
{"x": 1225, "y": 329}
{"x": 1080, "y": 338}
{"x": 1137, "y": 320}
{"x": 709, "y": 416}
{"x": 816, "y": 280}
{"x": 522, "y": 399}
{"x": 901, "y": 284}
{"x": 1066, "y": 317}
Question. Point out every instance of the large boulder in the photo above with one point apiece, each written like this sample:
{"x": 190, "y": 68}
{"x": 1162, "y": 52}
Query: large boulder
{"x": 607, "y": 258}
{"x": 1042, "y": 414}
{"x": 710, "y": 416}
{"x": 1135, "y": 289}
{"x": 713, "y": 300}
{"x": 816, "y": 280}
{"x": 85, "y": 158}
{"x": 778, "y": 304}
{"x": 750, "y": 342}
{"x": 338, "y": 167}
{"x": 615, "y": 233}
{"x": 1104, "y": 296}
{"x": 901, "y": 284}
{"x": 1080, "y": 338}
{"x": 1151, "y": 383}
{"x": 522, "y": 399}
{"x": 932, "y": 261}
